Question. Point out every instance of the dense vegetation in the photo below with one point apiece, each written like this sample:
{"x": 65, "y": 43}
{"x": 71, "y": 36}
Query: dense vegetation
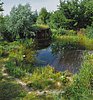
{"x": 71, "y": 26}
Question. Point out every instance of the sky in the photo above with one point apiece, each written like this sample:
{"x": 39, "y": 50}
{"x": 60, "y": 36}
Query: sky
{"x": 50, "y": 5}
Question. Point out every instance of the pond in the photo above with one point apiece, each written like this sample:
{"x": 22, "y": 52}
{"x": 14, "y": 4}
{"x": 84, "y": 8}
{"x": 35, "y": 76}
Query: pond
{"x": 51, "y": 54}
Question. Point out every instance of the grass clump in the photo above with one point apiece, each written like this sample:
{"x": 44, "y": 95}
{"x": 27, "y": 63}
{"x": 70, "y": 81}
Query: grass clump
{"x": 47, "y": 78}
{"x": 14, "y": 70}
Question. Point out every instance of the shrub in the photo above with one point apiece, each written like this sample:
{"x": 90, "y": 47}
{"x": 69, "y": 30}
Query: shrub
{"x": 62, "y": 31}
{"x": 8, "y": 36}
{"x": 14, "y": 70}
{"x": 89, "y": 31}
{"x": 29, "y": 54}
{"x": 71, "y": 32}
{"x": 11, "y": 91}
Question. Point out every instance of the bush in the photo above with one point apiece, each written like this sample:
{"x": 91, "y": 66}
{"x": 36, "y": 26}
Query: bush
{"x": 14, "y": 70}
{"x": 11, "y": 91}
{"x": 71, "y": 32}
{"x": 8, "y": 36}
{"x": 29, "y": 55}
{"x": 89, "y": 31}
{"x": 62, "y": 31}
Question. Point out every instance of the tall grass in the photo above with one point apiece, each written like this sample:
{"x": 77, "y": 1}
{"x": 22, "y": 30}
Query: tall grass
{"x": 82, "y": 87}
{"x": 79, "y": 39}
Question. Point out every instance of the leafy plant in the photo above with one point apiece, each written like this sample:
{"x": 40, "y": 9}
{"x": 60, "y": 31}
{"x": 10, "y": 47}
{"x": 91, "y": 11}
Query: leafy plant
{"x": 11, "y": 91}
{"x": 14, "y": 70}
{"x": 41, "y": 80}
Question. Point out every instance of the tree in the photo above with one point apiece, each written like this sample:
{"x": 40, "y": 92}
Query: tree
{"x": 79, "y": 12}
{"x": 20, "y": 20}
{"x": 1, "y": 16}
{"x": 1, "y": 3}
{"x": 43, "y": 16}
{"x": 35, "y": 16}
{"x": 57, "y": 20}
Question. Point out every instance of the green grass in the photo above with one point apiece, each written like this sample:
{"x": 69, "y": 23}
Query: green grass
{"x": 11, "y": 91}
{"x": 42, "y": 26}
{"x": 47, "y": 78}
{"x": 81, "y": 40}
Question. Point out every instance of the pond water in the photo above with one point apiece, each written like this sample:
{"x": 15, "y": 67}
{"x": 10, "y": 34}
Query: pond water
{"x": 61, "y": 60}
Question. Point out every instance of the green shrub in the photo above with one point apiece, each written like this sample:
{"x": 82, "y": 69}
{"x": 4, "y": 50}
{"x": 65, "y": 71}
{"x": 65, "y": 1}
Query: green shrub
{"x": 3, "y": 51}
{"x": 89, "y": 31}
{"x": 1, "y": 76}
{"x": 8, "y": 36}
{"x": 29, "y": 54}
{"x": 11, "y": 91}
{"x": 62, "y": 31}
{"x": 71, "y": 32}
{"x": 14, "y": 70}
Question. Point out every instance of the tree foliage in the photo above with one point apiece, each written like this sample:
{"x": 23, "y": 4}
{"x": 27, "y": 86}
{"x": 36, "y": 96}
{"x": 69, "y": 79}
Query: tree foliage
{"x": 1, "y": 3}
{"x": 80, "y": 12}
{"x": 43, "y": 16}
{"x": 20, "y": 21}
{"x": 57, "y": 20}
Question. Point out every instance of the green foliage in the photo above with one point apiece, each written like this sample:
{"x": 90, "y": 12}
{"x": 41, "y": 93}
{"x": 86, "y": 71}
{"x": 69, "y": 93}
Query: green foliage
{"x": 82, "y": 86}
{"x": 1, "y": 23}
{"x": 18, "y": 55}
{"x": 19, "y": 22}
{"x": 78, "y": 12}
{"x": 3, "y": 49}
{"x": 89, "y": 31}
{"x": 35, "y": 96}
{"x": 11, "y": 91}
{"x": 43, "y": 16}
{"x": 72, "y": 42}
{"x": 29, "y": 55}
{"x": 57, "y": 20}
{"x": 67, "y": 43}
{"x": 14, "y": 70}
{"x": 1, "y": 9}
{"x": 47, "y": 78}
{"x": 63, "y": 31}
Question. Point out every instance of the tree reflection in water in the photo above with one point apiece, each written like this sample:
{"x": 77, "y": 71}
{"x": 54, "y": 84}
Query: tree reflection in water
{"x": 59, "y": 57}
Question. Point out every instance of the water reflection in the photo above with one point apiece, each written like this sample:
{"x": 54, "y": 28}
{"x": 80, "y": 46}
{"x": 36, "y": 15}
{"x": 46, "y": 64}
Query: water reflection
{"x": 59, "y": 58}
{"x": 69, "y": 60}
{"x": 42, "y": 43}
